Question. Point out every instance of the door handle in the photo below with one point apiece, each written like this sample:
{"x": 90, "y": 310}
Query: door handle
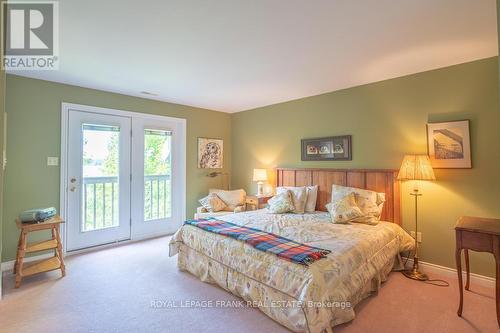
{"x": 73, "y": 185}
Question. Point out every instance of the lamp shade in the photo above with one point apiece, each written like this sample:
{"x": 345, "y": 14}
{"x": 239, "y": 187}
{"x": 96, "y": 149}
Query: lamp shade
{"x": 416, "y": 167}
{"x": 259, "y": 175}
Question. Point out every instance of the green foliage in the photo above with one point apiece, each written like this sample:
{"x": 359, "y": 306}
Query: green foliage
{"x": 110, "y": 165}
{"x": 154, "y": 162}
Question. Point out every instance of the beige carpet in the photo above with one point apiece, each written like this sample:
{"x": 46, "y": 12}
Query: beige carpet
{"x": 112, "y": 290}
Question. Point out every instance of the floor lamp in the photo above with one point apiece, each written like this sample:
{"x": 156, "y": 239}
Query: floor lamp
{"x": 416, "y": 168}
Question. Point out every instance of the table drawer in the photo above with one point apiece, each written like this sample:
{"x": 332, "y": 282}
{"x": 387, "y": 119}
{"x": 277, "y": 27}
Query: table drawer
{"x": 477, "y": 241}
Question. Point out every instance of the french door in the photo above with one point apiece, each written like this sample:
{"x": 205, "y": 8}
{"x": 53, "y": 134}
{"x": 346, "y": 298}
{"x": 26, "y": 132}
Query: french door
{"x": 154, "y": 187}
{"x": 125, "y": 177}
{"x": 99, "y": 184}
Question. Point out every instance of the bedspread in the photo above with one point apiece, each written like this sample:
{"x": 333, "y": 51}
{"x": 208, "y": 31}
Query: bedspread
{"x": 303, "y": 298}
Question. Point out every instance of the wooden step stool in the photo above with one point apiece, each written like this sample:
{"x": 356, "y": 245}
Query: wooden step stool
{"x": 23, "y": 247}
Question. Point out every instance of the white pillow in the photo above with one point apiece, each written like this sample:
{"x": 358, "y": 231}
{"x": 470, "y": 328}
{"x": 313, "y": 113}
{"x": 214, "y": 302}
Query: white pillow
{"x": 281, "y": 203}
{"x": 312, "y": 197}
{"x": 232, "y": 199}
{"x": 370, "y": 202}
{"x": 344, "y": 210}
{"x": 299, "y": 197}
{"x": 212, "y": 203}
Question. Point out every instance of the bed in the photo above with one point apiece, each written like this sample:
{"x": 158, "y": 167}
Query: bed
{"x": 311, "y": 298}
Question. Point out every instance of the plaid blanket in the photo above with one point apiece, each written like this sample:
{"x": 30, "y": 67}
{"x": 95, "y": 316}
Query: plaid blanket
{"x": 282, "y": 247}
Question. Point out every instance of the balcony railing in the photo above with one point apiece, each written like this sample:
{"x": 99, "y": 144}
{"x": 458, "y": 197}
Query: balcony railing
{"x": 100, "y": 203}
{"x": 101, "y": 200}
{"x": 157, "y": 198}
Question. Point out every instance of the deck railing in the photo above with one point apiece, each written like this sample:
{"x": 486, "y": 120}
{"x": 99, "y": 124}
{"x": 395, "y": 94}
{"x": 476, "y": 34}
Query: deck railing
{"x": 157, "y": 197}
{"x": 100, "y": 203}
{"x": 101, "y": 195}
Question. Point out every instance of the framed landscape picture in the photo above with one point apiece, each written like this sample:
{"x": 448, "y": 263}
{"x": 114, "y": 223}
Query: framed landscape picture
{"x": 210, "y": 153}
{"x": 334, "y": 148}
{"x": 448, "y": 144}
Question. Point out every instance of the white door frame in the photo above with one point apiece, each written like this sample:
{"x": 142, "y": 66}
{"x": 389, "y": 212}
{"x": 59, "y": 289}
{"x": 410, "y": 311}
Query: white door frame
{"x": 181, "y": 145}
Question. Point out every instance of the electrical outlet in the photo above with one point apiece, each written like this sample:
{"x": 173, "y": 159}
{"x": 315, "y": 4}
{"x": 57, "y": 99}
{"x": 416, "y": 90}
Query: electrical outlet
{"x": 419, "y": 236}
{"x": 52, "y": 161}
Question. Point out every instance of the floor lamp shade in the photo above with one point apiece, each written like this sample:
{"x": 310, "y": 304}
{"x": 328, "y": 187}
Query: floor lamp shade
{"x": 416, "y": 167}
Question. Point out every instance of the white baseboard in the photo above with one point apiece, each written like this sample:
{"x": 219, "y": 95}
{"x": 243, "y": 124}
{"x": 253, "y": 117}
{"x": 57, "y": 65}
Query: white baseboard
{"x": 430, "y": 269}
{"x": 9, "y": 265}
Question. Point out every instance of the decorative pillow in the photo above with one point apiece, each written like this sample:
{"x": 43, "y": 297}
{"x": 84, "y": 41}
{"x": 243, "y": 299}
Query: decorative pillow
{"x": 281, "y": 203}
{"x": 299, "y": 197}
{"x": 312, "y": 196}
{"x": 212, "y": 203}
{"x": 371, "y": 210}
{"x": 344, "y": 210}
{"x": 370, "y": 202}
{"x": 232, "y": 199}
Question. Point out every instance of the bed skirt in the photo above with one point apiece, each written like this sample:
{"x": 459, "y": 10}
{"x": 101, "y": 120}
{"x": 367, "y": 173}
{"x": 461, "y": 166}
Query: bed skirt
{"x": 279, "y": 306}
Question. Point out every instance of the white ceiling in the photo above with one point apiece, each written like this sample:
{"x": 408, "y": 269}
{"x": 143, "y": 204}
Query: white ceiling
{"x": 234, "y": 55}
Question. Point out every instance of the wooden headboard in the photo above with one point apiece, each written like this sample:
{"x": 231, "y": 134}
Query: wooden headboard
{"x": 375, "y": 180}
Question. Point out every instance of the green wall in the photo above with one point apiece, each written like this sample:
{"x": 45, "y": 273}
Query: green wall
{"x": 2, "y": 110}
{"x": 498, "y": 30}
{"x": 386, "y": 120}
{"x": 34, "y": 108}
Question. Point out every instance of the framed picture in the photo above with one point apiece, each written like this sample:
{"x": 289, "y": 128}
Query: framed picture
{"x": 448, "y": 144}
{"x": 334, "y": 148}
{"x": 210, "y": 153}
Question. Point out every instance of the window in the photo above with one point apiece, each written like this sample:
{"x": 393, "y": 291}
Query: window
{"x": 157, "y": 174}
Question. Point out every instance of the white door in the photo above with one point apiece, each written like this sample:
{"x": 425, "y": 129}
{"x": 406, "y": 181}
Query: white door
{"x": 157, "y": 198}
{"x": 98, "y": 185}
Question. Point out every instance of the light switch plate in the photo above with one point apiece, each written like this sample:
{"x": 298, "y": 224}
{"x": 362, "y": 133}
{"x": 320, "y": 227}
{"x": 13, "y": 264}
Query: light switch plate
{"x": 419, "y": 236}
{"x": 52, "y": 161}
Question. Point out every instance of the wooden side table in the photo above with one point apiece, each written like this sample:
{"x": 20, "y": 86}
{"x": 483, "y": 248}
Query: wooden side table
{"x": 23, "y": 247}
{"x": 482, "y": 235}
{"x": 254, "y": 202}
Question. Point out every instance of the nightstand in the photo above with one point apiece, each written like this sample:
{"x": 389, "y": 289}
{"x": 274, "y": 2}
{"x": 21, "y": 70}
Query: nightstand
{"x": 254, "y": 202}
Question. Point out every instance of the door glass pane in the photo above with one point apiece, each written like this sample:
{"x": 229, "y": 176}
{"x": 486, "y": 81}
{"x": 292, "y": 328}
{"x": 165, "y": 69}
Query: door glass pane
{"x": 100, "y": 192}
{"x": 157, "y": 174}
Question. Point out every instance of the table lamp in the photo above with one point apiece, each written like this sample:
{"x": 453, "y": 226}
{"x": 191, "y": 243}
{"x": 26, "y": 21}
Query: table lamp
{"x": 260, "y": 176}
{"x": 416, "y": 168}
